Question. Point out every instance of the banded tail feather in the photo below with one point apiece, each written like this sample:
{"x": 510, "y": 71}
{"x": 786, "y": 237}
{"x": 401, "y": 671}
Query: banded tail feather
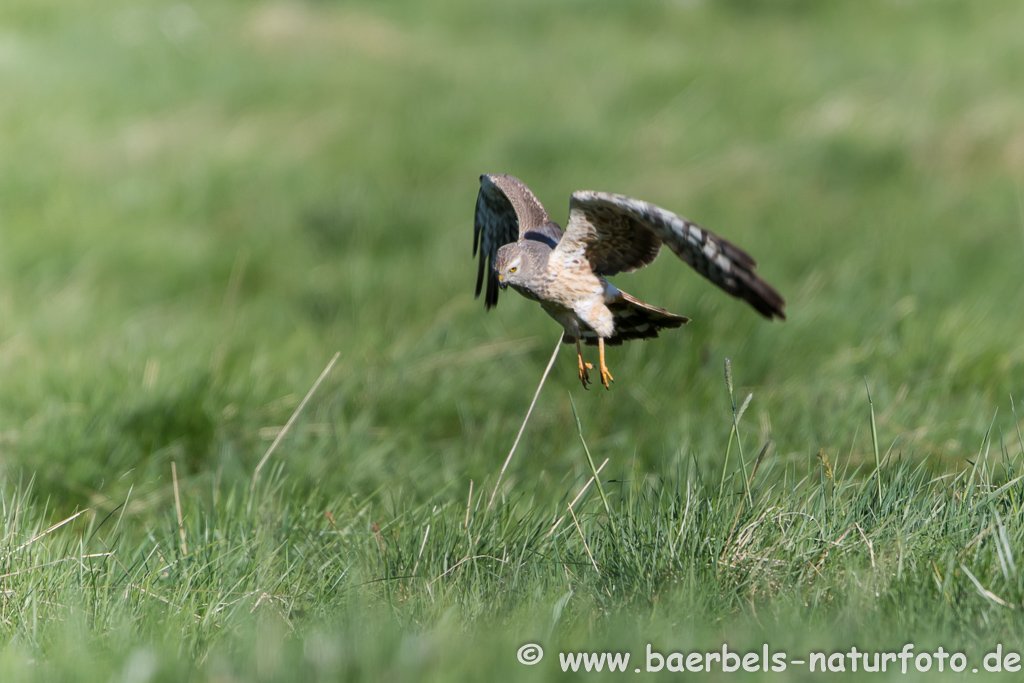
{"x": 633, "y": 320}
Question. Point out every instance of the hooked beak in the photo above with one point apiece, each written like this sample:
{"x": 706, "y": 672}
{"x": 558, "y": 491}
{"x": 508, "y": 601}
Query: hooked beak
{"x": 501, "y": 281}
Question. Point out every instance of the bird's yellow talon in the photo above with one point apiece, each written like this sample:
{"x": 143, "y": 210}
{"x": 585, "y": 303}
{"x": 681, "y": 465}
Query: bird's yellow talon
{"x": 583, "y": 366}
{"x": 606, "y": 375}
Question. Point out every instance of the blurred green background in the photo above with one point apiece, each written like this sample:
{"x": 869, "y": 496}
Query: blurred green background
{"x": 201, "y": 203}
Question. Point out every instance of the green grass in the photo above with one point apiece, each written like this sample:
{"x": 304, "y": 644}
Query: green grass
{"x": 200, "y": 204}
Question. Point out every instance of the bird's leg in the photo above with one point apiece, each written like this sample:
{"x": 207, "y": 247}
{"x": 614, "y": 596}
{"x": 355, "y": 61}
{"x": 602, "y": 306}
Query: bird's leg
{"x": 606, "y": 376}
{"x": 584, "y": 375}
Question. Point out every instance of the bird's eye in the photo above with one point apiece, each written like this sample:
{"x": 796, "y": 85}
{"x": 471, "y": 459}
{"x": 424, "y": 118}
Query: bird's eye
{"x": 512, "y": 269}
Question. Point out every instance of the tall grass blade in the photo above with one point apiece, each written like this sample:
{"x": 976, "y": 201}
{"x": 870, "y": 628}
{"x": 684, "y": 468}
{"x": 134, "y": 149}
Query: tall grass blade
{"x": 874, "y": 442}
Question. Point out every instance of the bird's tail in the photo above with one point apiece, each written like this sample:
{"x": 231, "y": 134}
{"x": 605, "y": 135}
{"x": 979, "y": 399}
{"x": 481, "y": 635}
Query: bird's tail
{"x": 634, "y": 320}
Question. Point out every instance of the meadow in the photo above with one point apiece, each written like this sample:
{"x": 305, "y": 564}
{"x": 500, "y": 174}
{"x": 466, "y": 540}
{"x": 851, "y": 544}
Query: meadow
{"x": 200, "y": 204}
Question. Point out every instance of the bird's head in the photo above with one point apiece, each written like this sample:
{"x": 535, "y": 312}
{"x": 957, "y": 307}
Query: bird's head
{"x": 508, "y": 263}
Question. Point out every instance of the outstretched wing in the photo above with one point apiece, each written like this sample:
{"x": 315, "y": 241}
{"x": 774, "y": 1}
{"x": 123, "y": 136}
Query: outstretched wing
{"x": 620, "y": 234}
{"x": 506, "y": 211}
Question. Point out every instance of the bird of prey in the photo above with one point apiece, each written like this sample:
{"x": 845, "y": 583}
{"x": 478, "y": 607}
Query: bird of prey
{"x": 521, "y": 247}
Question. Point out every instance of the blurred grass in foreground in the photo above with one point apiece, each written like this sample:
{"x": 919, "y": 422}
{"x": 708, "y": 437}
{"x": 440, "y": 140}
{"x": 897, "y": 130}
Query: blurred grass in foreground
{"x": 275, "y": 586}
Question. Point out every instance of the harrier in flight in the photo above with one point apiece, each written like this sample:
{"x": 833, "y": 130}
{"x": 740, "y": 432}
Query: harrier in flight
{"x": 606, "y": 234}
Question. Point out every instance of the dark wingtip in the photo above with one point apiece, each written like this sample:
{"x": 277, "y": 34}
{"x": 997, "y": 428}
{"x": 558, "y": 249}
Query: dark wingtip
{"x": 770, "y": 310}
{"x": 479, "y": 274}
{"x": 775, "y": 306}
{"x": 765, "y": 299}
{"x": 491, "y": 299}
